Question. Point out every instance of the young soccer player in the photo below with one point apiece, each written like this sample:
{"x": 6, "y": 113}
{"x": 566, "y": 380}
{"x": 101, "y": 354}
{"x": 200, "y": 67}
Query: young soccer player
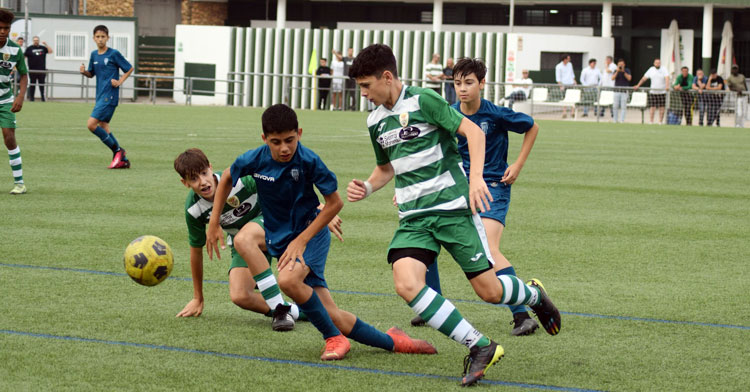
{"x": 241, "y": 210}
{"x": 495, "y": 122}
{"x": 105, "y": 63}
{"x": 10, "y": 105}
{"x": 285, "y": 172}
{"x": 413, "y": 134}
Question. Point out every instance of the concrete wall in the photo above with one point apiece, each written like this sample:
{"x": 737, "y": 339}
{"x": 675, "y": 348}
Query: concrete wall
{"x": 46, "y": 27}
{"x": 526, "y": 50}
{"x": 203, "y": 45}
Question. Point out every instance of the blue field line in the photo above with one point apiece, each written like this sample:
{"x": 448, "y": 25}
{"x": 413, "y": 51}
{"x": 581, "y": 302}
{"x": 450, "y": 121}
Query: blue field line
{"x": 289, "y": 362}
{"x": 349, "y": 292}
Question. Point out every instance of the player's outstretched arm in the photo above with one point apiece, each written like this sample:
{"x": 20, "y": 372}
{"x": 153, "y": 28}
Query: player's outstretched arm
{"x": 479, "y": 194}
{"x": 214, "y": 234}
{"x": 194, "y": 308}
{"x": 512, "y": 172}
{"x": 358, "y": 189}
{"x": 84, "y": 72}
{"x": 296, "y": 248}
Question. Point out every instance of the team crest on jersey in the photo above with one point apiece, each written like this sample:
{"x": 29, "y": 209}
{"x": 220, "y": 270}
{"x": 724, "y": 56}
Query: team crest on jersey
{"x": 106, "y": 60}
{"x": 403, "y": 118}
{"x": 233, "y": 201}
{"x": 295, "y": 174}
{"x": 485, "y": 126}
{"x": 6, "y": 56}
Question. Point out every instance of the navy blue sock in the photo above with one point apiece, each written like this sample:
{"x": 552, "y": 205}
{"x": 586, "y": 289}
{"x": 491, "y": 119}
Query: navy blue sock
{"x": 116, "y": 144}
{"x": 319, "y": 317}
{"x": 432, "y": 278}
{"x": 106, "y": 138}
{"x": 511, "y": 271}
{"x": 367, "y": 334}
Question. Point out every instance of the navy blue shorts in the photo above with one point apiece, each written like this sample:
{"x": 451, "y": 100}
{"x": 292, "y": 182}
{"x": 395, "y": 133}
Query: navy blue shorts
{"x": 501, "y": 201}
{"x": 103, "y": 112}
{"x": 316, "y": 254}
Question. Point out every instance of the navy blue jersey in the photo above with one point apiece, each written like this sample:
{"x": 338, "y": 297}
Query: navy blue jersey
{"x": 495, "y": 122}
{"x": 285, "y": 189}
{"x": 106, "y": 67}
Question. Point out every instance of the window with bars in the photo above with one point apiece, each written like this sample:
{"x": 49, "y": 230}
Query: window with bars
{"x": 121, "y": 43}
{"x": 70, "y": 46}
{"x": 536, "y": 17}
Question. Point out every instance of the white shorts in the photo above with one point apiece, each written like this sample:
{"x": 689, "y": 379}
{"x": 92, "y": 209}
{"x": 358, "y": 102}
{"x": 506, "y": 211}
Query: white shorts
{"x": 337, "y": 85}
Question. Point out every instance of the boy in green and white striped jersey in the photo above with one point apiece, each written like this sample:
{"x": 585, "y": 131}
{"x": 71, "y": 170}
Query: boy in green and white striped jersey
{"x": 12, "y": 56}
{"x": 413, "y": 134}
{"x": 242, "y": 211}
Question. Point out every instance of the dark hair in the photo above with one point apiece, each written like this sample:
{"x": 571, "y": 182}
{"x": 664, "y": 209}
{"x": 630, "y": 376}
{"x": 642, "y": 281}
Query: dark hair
{"x": 684, "y": 67}
{"x": 620, "y": 59}
{"x": 467, "y": 66}
{"x": 564, "y": 56}
{"x": 592, "y": 61}
{"x": 101, "y": 28}
{"x": 6, "y": 16}
{"x": 735, "y": 66}
{"x": 279, "y": 118}
{"x": 190, "y": 163}
{"x": 373, "y": 61}
{"x": 713, "y": 70}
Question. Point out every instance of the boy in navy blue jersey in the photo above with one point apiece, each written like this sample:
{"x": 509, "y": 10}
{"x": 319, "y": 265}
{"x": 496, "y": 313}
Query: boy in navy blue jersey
{"x": 285, "y": 172}
{"x": 495, "y": 122}
{"x": 105, "y": 63}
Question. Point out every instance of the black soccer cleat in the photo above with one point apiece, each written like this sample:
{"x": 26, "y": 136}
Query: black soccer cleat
{"x": 282, "y": 319}
{"x": 478, "y": 361}
{"x": 523, "y": 324}
{"x": 418, "y": 321}
{"x": 546, "y": 311}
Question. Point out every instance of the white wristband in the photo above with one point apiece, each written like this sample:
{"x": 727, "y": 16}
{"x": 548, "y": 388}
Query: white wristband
{"x": 368, "y": 188}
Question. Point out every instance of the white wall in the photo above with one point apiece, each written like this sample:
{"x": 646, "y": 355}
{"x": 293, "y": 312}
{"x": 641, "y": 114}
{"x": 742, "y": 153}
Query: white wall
{"x": 289, "y": 24}
{"x": 526, "y": 50}
{"x": 46, "y": 27}
{"x": 585, "y": 31}
{"x": 206, "y": 45}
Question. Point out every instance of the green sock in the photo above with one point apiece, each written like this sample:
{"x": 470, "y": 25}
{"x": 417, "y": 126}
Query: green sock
{"x": 440, "y": 314}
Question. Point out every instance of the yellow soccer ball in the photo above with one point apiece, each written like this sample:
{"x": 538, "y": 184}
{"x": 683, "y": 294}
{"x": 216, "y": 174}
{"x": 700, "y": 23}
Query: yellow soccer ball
{"x": 148, "y": 260}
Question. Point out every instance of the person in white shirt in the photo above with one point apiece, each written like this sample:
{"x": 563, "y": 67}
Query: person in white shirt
{"x": 337, "y": 84}
{"x": 564, "y": 76}
{"x": 590, "y": 77}
{"x": 657, "y": 95}
{"x": 433, "y": 73}
{"x": 521, "y": 90}
{"x": 609, "y": 70}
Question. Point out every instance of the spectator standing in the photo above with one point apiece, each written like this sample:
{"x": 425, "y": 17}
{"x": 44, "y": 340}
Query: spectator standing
{"x": 657, "y": 96}
{"x": 699, "y": 84}
{"x": 683, "y": 84}
{"x": 37, "y": 62}
{"x": 590, "y": 78}
{"x": 350, "y": 86}
{"x": 337, "y": 85}
{"x": 520, "y": 91}
{"x": 607, "y": 81}
{"x": 324, "y": 82}
{"x": 736, "y": 83}
{"x": 433, "y": 73}
{"x": 450, "y": 89}
{"x": 622, "y": 78}
{"x": 565, "y": 76}
{"x": 714, "y": 98}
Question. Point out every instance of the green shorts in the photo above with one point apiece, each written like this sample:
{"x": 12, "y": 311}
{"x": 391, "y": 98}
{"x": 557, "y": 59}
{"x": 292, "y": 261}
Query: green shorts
{"x": 462, "y": 236}
{"x": 7, "y": 118}
{"x": 237, "y": 260}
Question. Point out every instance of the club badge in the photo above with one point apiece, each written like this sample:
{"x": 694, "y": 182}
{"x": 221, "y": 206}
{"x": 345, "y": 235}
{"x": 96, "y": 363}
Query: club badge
{"x": 295, "y": 174}
{"x": 6, "y": 56}
{"x": 233, "y": 201}
{"x": 403, "y": 118}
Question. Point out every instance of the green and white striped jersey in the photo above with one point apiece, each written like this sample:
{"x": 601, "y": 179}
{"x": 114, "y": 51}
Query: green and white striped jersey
{"x": 12, "y": 57}
{"x": 418, "y": 138}
{"x": 242, "y": 206}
